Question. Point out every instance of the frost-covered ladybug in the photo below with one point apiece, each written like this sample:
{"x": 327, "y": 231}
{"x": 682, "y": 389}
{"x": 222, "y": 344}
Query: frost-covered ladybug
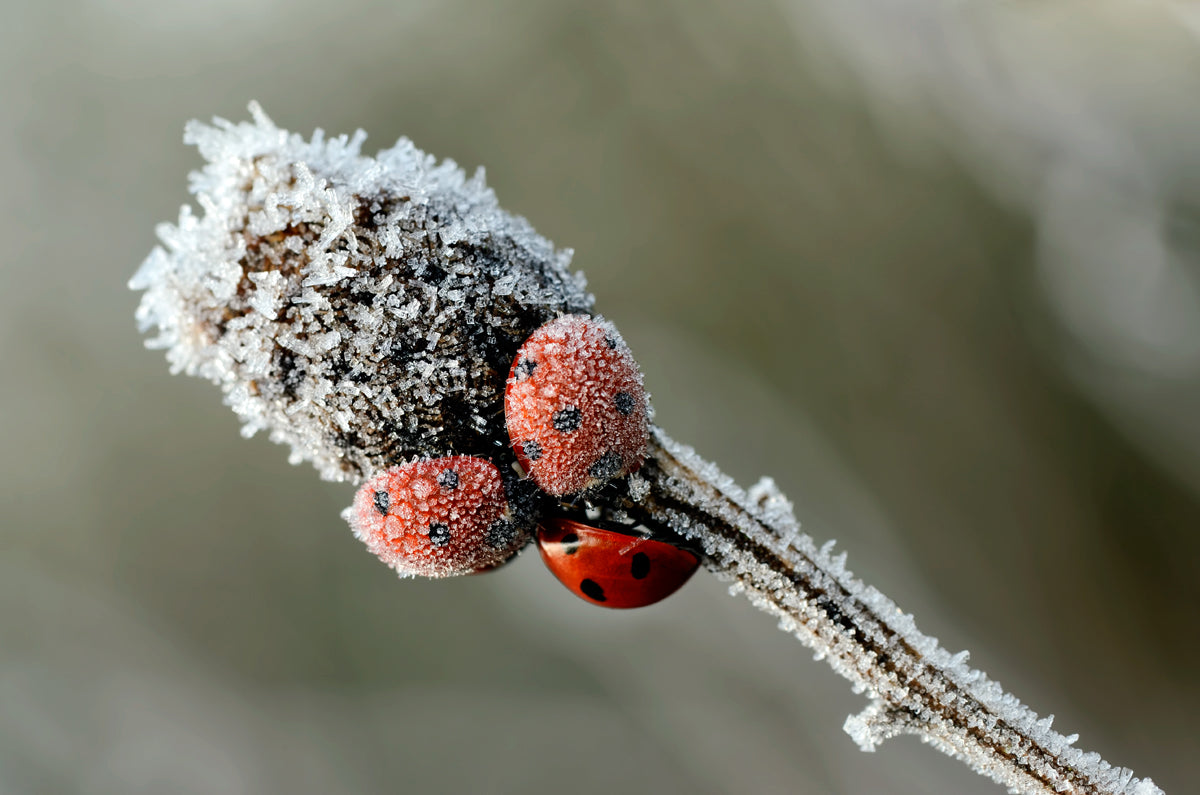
{"x": 611, "y": 568}
{"x": 575, "y": 406}
{"x": 437, "y": 518}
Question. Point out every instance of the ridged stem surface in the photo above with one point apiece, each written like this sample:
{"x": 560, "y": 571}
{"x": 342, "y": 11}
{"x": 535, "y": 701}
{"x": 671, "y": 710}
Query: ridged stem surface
{"x": 915, "y": 687}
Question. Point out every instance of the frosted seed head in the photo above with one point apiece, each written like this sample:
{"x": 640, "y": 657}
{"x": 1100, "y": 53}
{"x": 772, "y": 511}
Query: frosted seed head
{"x": 363, "y": 310}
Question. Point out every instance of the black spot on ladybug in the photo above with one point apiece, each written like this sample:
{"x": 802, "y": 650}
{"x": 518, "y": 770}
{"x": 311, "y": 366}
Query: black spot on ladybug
{"x": 640, "y": 566}
{"x": 500, "y": 534}
{"x": 612, "y": 342}
{"x": 448, "y": 479}
{"x": 532, "y": 450}
{"x": 568, "y": 419}
{"x": 525, "y": 368}
{"x": 592, "y": 590}
{"x": 606, "y": 467}
{"x": 624, "y": 403}
{"x": 570, "y": 544}
{"x": 382, "y": 502}
{"x": 439, "y": 534}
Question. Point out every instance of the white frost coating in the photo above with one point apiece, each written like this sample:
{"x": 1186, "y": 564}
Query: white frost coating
{"x": 362, "y": 310}
{"x": 639, "y": 487}
{"x": 915, "y": 686}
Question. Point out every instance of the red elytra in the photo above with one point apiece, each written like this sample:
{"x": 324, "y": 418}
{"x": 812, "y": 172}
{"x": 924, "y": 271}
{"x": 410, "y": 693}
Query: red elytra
{"x": 575, "y": 406}
{"x": 610, "y": 568}
{"x": 437, "y": 518}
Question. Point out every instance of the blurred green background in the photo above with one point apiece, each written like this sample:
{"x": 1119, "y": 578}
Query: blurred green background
{"x": 931, "y": 266}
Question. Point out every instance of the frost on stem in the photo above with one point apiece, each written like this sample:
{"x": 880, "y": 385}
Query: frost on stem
{"x": 366, "y": 311}
{"x": 916, "y": 687}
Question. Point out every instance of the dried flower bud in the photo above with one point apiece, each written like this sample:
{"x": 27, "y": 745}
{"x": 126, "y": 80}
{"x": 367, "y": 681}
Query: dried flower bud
{"x": 362, "y": 310}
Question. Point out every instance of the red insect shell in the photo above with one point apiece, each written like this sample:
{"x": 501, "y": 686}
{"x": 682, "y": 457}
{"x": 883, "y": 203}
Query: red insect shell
{"x": 613, "y": 569}
{"x": 575, "y": 406}
{"x": 437, "y": 518}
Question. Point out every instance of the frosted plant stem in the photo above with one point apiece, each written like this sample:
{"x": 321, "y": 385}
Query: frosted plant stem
{"x": 914, "y": 686}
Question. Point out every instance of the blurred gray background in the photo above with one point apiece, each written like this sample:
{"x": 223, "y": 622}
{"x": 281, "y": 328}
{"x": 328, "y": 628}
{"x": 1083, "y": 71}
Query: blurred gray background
{"x": 932, "y": 266}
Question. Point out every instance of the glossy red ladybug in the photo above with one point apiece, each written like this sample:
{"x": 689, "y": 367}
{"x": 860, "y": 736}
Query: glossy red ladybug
{"x": 611, "y": 568}
{"x": 575, "y": 406}
{"x": 437, "y": 518}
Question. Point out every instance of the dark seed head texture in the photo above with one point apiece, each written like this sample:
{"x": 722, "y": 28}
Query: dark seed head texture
{"x": 363, "y": 311}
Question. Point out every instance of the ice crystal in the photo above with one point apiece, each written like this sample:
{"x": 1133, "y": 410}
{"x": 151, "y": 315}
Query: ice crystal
{"x": 361, "y": 309}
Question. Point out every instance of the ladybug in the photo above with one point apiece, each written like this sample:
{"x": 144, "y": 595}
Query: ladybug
{"x": 611, "y": 568}
{"x": 575, "y": 406}
{"x": 437, "y": 518}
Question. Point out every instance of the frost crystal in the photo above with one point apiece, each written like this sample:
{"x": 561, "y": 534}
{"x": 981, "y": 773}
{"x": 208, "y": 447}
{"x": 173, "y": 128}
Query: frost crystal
{"x": 362, "y": 310}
